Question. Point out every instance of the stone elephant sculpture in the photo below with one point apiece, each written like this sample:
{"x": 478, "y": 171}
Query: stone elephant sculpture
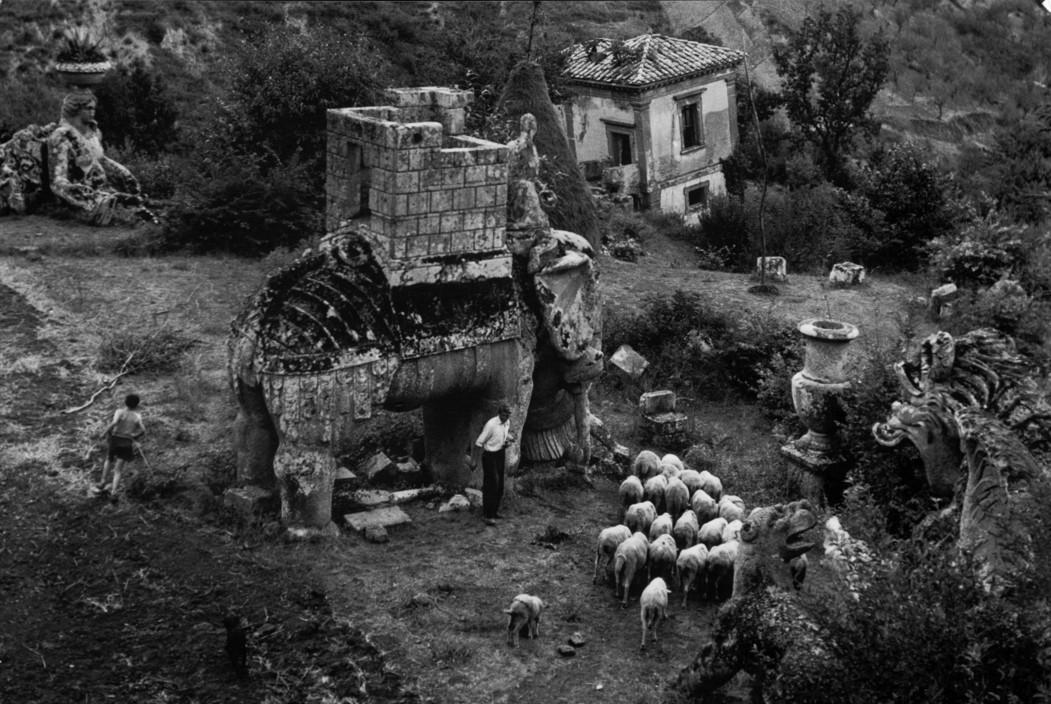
{"x": 328, "y": 338}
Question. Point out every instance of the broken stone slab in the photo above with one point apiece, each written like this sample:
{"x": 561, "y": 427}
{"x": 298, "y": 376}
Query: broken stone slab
{"x": 846, "y": 274}
{"x": 657, "y": 402}
{"x": 407, "y": 495}
{"x": 372, "y": 498}
{"x": 776, "y": 268}
{"x": 622, "y": 455}
{"x": 940, "y": 298}
{"x": 344, "y": 475}
{"x": 376, "y": 534}
{"x": 456, "y": 504}
{"x": 379, "y": 467}
{"x": 248, "y": 500}
{"x": 577, "y": 640}
{"x": 386, "y": 517}
{"x": 474, "y": 496}
{"x": 567, "y": 651}
{"x": 409, "y": 471}
{"x": 629, "y": 361}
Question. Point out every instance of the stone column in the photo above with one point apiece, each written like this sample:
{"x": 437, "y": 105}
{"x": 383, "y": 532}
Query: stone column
{"x": 816, "y": 392}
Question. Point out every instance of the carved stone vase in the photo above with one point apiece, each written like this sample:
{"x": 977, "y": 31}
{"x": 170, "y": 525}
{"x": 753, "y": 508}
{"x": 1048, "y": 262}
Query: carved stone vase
{"x": 816, "y": 393}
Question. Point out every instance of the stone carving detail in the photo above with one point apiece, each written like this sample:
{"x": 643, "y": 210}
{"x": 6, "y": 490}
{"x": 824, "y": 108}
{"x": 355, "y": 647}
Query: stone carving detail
{"x": 974, "y": 410}
{"x": 416, "y": 301}
{"x": 762, "y": 629}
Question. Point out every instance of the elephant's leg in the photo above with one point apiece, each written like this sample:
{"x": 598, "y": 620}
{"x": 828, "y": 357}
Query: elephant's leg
{"x": 305, "y": 477}
{"x": 254, "y": 438}
{"x": 582, "y": 416}
{"x": 447, "y": 438}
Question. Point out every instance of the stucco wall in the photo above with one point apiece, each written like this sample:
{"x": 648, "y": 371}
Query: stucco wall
{"x": 673, "y": 199}
{"x": 586, "y": 115}
{"x": 668, "y": 160}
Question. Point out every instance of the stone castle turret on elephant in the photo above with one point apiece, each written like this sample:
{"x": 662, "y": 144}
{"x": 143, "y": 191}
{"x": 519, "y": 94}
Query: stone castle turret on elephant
{"x": 441, "y": 287}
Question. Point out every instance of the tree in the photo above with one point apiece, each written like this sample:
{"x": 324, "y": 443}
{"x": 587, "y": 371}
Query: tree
{"x": 831, "y": 75}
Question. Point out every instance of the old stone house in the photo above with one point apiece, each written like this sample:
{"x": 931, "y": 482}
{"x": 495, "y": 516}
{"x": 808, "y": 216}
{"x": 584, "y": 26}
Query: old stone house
{"x": 653, "y": 117}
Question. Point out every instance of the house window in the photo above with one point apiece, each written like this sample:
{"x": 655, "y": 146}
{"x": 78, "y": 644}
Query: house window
{"x": 620, "y": 151}
{"x": 696, "y": 197}
{"x": 692, "y": 127}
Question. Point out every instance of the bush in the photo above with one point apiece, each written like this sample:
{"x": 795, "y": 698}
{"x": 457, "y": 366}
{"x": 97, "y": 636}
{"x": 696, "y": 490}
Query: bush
{"x": 980, "y": 253}
{"x": 724, "y": 227}
{"x": 135, "y": 110}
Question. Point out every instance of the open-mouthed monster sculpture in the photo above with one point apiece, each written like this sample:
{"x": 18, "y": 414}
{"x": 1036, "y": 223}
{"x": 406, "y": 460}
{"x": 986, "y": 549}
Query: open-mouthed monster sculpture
{"x": 762, "y": 629}
{"x": 975, "y": 411}
{"x": 442, "y": 287}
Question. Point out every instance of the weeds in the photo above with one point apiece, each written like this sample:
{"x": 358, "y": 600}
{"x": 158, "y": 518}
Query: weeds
{"x": 156, "y": 350}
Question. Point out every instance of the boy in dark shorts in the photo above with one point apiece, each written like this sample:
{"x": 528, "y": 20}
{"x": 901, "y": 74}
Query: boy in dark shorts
{"x": 120, "y": 436}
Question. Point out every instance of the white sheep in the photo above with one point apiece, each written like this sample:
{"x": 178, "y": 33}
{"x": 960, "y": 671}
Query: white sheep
{"x": 630, "y": 491}
{"x": 692, "y": 479}
{"x": 689, "y": 566}
{"x": 685, "y": 530}
{"x": 646, "y": 464}
{"x": 661, "y": 526}
{"x": 732, "y": 531}
{"x": 731, "y": 507}
{"x": 720, "y": 572}
{"x": 660, "y": 559}
{"x": 669, "y": 470}
{"x": 711, "y": 532}
{"x": 524, "y": 612}
{"x": 653, "y": 490}
{"x": 711, "y": 484}
{"x": 676, "y": 497}
{"x": 639, "y": 517}
{"x": 628, "y": 560}
{"x": 608, "y": 541}
{"x": 674, "y": 460}
{"x": 704, "y": 506}
{"x": 653, "y": 605}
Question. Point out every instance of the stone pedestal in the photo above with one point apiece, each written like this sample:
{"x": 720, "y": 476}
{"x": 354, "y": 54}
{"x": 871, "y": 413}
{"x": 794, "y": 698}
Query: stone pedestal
{"x": 816, "y": 391}
{"x": 660, "y": 423}
{"x": 776, "y": 269}
{"x": 846, "y": 274}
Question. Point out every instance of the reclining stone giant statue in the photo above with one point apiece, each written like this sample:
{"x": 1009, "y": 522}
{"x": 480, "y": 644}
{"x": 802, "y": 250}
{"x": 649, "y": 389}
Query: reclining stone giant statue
{"x": 442, "y": 286}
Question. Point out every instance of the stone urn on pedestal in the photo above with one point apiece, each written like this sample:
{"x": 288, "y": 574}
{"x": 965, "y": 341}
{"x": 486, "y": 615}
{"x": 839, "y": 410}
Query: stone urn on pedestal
{"x": 816, "y": 393}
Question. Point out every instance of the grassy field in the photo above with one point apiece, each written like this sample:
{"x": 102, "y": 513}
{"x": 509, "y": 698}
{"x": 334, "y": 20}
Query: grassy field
{"x": 125, "y": 599}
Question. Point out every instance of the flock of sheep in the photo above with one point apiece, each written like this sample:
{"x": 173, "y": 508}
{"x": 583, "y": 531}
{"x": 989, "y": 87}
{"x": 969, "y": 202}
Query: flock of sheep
{"x": 678, "y": 525}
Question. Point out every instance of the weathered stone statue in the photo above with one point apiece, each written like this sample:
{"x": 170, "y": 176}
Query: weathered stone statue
{"x": 66, "y": 160}
{"x": 427, "y": 294}
{"x": 974, "y": 409}
{"x": 762, "y": 629}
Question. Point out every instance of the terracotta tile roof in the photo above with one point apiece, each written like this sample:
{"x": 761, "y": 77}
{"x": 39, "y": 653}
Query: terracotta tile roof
{"x": 645, "y": 60}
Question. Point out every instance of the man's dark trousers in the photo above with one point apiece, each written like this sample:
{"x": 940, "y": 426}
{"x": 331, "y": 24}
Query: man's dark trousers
{"x": 492, "y": 482}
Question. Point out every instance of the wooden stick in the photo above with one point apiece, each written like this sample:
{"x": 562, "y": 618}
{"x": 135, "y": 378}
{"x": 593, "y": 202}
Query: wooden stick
{"x": 108, "y": 387}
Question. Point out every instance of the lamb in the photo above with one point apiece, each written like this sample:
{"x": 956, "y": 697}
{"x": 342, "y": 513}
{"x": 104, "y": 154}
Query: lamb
{"x": 731, "y": 507}
{"x": 704, "y": 506}
{"x": 721, "y": 560}
{"x": 669, "y": 470}
{"x": 653, "y": 490}
{"x": 653, "y": 605}
{"x": 660, "y": 559}
{"x": 711, "y": 533}
{"x": 711, "y": 484}
{"x": 608, "y": 541}
{"x": 685, "y": 530}
{"x": 674, "y": 460}
{"x": 524, "y": 612}
{"x": 661, "y": 526}
{"x": 689, "y": 566}
{"x": 640, "y": 516}
{"x": 646, "y": 464}
{"x": 676, "y": 497}
{"x": 628, "y": 560}
{"x": 630, "y": 491}
{"x": 692, "y": 479}
{"x": 732, "y": 531}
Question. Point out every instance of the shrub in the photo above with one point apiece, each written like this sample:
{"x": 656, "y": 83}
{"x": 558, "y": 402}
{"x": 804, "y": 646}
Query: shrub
{"x": 136, "y": 111}
{"x": 724, "y": 227}
{"x": 159, "y": 349}
{"x": 980, "y": 253}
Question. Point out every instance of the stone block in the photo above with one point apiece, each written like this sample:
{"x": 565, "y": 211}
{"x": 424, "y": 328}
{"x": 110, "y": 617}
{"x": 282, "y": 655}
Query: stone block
{"x": 345, "y": 476}
{"x": 940, "y": 298}
{"x": 665, "y": 429}
{"x": 386, "y": 517}
{"x": 372, "y": 498}
{"x": 846, "y": 274}
{"x": 249, "y": 500}
{"x": 378, "y": 468}
{"x": 776, "y": 268}
{"x": 456, "y": 504}
{"x": 474, "y": 496}
{"x": 376, "y": 534}
{"x": 657, "y": 402}
{"x": 409, "y": 471}
{"x": 407, "y": 495}
{"x": 629, "y": 361}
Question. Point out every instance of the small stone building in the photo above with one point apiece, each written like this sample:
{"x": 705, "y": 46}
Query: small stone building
{"x": 653, "y": 117}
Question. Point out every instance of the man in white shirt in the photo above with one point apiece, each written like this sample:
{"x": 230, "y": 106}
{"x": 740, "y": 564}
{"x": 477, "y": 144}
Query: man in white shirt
{"x": 491, "y": 445}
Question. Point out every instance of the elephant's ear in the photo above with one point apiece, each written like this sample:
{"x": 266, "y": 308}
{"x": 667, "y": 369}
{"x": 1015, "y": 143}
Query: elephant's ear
{"x": 567, "y": 289}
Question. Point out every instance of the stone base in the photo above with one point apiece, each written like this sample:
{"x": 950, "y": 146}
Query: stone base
{"x": 664, "y": 425}
{"x": 818, "y": 475}
{"x": 386, "y": 517}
